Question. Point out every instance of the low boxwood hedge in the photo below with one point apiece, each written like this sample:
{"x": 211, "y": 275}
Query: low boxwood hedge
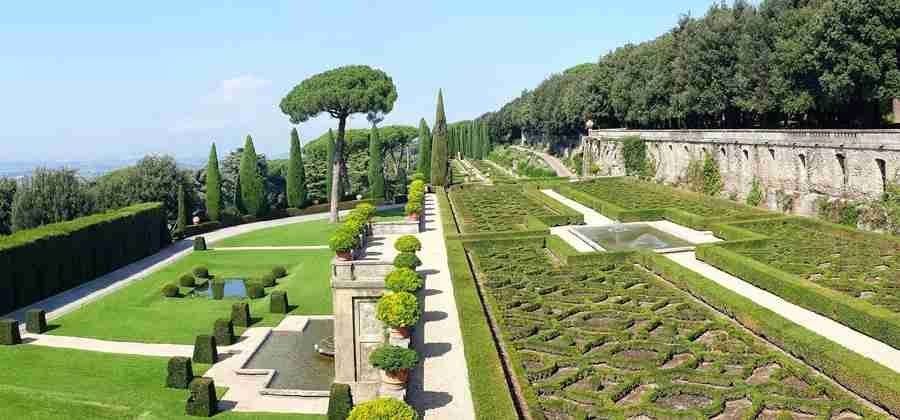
{"x": 340, "y": 402}
{"x": 223, "y": 331}
{"x": 278, "y": 302}
{"x": 240, "y": 314}
{"x": 36, "y": 321}
{"x": 205, "y": 350}
{"x": 9, "y": 332}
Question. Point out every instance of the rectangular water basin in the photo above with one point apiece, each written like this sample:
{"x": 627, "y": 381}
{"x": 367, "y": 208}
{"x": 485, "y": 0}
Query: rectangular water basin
{"x": 229, "y": 288}
{"x": 629, "y": 236}
{"x": 293, "y": 356}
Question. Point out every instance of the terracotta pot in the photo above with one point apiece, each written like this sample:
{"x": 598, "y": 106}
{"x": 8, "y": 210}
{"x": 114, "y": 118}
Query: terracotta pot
{"x": 402, "y": 332}
{"x": 344, "y": 255}
{"x": 412, "y": 217}
{"x": 395, "y": 380}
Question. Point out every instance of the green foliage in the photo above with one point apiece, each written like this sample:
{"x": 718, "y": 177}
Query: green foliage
{"x": 205, "y": 350}
{"x": 392, "y": 358}
{"x": 408, "y": 243}
{"x": 342, "y": 241}
{"x": 267, "y": 280}
{"x": 398, "y": 310}
{"x": 407, "y": 260}
{"x": 383, "y": 409}
{"x": 296, "y": 175}
{"x": 712, "y": 179}
{"x": 170, "y": 290}
{"x": 404, "y": 280}
{"x": 180, "y": 372}
{"x": 7, "y": 192}
{"x": 49, "y": 196}
{"x": 255, "y": 290}
{"x": 79, "y": 251}
{"x": 201, "y": 271}
{"x": 439, "y": 146}
{"x": 223, "y": 331}
{"x": 842, "y": 212}
{"x": 252, "y": 190}
{"x": 218, "y": 289}
{"x": 424, "y": 153}
{"x": 755, "y": 196}
{"x": 279, "y": 271}
{"x": 340, "y": 402}
{"x": 9, "y": 332}
{"x": 203, "y": 401}
{"x": 36, "y": 321}
{"x": 240, "y": 314}
{"x": 199, "y": 243}
{"x": 376, "y": 165}
{"x": 187, "y": 280}
{"x": 213, "y": 186}
{"x": 155, "y": 178}
{"x": 181, "y": 220}
{"x": 278, "y": 302}
{"x": 637, "y": 163}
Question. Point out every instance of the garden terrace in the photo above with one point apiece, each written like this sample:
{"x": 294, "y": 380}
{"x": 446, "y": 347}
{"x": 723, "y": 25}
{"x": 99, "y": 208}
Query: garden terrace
{"x": 491, "y": 171}
{"x": 631, "y": 200}
{"x": 610, "y": 340}
{"x": 523, "y": 163}
{"x": 486, "y": 209}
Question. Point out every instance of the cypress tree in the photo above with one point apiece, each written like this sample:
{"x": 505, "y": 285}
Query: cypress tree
{"x": 182, "y": 218}
{"x": 487, "y": 140}
{"x": 376, "y": 165}
{"x": 424, "y": 148}
{"x": 296, "y": 175}
{"x": 213, "y": 186}
{"x": 439, "y": 145}
{"x": 252, "y": 191}
{"x": 329, "y": 167}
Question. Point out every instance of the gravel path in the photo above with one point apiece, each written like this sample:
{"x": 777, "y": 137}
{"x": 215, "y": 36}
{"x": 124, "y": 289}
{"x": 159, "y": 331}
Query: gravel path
{"x": 561, "y": 169}
{"x": 439, "y": 386}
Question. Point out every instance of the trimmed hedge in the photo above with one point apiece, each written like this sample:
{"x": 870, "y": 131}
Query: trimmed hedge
{"x": 267, "y": 280}
{"x": 340, "y": 402}
{"x": 203, "y": 401}
{"x": 170, "y": 290}
{"x": 180, "y": 373}
{"x": 199, "y": 243}
{"x": 38, "y": 263}
{"x": 218, "y": 289}
{"x": 278, "y": 302}
{"x": 36, "y": 321}
{"x": 255, "y": 290}
{"x": 9, "y": 332}
{"x": 201, "y": 272}
{"x": 279, "y": 272}
{"x": 240, "y": 314}
{"x": 223, "y": 331}
{"x": 187, "y": 280}
{"x": 205, "y": 350}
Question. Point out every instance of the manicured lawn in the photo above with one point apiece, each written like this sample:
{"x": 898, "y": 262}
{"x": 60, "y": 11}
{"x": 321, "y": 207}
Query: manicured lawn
{"x": 314, "y": 232}
{"x": 49, "y": 383}
{"x": 390, "y": 215}
{"x": 139, "y": 312}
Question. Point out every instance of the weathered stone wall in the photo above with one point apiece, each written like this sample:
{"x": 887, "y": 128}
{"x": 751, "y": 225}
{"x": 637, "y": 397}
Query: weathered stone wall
{"x": 807, "y": 164}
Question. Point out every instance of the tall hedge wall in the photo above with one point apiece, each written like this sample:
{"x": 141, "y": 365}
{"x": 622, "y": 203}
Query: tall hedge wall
{"x": 38, "y": 263}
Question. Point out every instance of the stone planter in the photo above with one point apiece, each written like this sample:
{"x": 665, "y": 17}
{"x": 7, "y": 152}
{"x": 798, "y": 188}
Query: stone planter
{"x": 395, "y": 380}
{"x": 344, "y": 255}
{"x": 401, "y": 332}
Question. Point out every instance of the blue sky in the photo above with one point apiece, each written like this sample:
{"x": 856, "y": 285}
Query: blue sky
{"x": 82, "y": 80}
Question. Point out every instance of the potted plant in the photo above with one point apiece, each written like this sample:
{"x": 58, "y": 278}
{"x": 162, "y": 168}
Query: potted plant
{"x": 399, "y": 311}
{"x": 403, "y": 280}
{"x": 408, "y": 243}
{"x": 394, "y": 362}
{"x": 413, "y": 210}
{"x": 384, "y": 408}
{"x": 342, "y": 243}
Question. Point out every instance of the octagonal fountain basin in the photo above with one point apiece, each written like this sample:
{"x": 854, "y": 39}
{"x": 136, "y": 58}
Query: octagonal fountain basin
{"x": 630, "y": 236}
{"x": 298, "y": 366}
{"x": 231, "y": 288}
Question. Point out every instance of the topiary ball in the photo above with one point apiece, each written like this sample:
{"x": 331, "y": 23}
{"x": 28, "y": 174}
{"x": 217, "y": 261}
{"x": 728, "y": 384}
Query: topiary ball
{"x": 279, "y": 272}
{"x": 403, "y": 280}
{"x": 255, "y": 290}
{"x": 187, "y": 280}
{"x": 407, "y": 260}
{"x": 383, "y": 409}
{"x": 201, "y": 272}
{"x": 398, "y": 310}
{"x": 170, "y": 290}
{"x": 267, "y": 280}
{"x": 408, "y": 243}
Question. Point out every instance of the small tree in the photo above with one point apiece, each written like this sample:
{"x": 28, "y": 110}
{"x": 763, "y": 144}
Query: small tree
{"x": 340, "y": 92}
{"x": 296, "y": 175}
{"x": 424, "y": 165}
{"x": 376, "y": 165}
{"x": 181, "y": 221}
{"x": 213, "y": 186}
{"x": 253, "y": 195}
{"x": 439, "y": 145}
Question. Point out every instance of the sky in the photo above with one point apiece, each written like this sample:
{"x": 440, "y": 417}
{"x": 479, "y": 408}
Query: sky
{"x": 99, "y": 80}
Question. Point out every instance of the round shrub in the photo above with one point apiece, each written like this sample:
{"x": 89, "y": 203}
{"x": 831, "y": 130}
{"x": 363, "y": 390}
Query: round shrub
{"x": 408, "y": 243}
{"x": 418, "y": 176}
{"x": 398, "y": 310}
{"x": 255, "y": 290}
{"x": 267, "y": 280}
{"x": 383, "y": 409}
{"x": 366, "y": 210}
{"x": 279, "y": 271}
{"x": 403, "y": 280}
{"x": 407, "y": 260}
{"x": 170, "y": 290}
{"x": 342, "y": 241}
{"x": 201, "y": 272}
{"x": 413, "y": 208}
{"x": 393, "y": 358}
{"x": 187, "y": 280}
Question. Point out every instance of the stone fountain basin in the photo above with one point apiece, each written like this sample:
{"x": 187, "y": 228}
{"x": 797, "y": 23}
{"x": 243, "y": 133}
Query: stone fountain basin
{"x": 631, "y": 236}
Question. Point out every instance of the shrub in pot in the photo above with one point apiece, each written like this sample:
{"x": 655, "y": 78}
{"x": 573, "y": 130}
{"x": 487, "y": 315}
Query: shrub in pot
{"x": 201, "y": 272}
{"x": 407, "y": 260}
{"x": 170, "y": 290}
{"x": 383, "y": 409}
{"x": 408, "y": 243}
{"x": 400, "y": 311}
{"x": 394, "y": 363}
{"x": 403, "y": 280}
{"x": 413, "y": 210}
{"x": 187, "y": 280}
{"x": 342, "y": 243}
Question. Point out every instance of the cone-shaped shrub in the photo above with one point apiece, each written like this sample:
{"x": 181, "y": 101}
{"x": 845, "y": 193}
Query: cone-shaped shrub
{"x": 180, "y": 373}
{"x": 340, "y": 402}
{"x": 181, "y": 220}
{"x": 253, "y": 194}
{"x": 278, "y": 302}
{"x": 240, "y": 314}
{"x": 36, "y": 321}
{"x": 9, "y": 332}
{"x": 224, "y": 332}
{"x": 376, "y": 165}
{"x": 296, "y": 175}
{"x": 203, "y": 401}
{"x": 199, "y": 243}
{"x": 213, "y": 186}
{"x": 439, "y": 153}
{"x": 205, "y": 349}
{"x": 424, "y": 166}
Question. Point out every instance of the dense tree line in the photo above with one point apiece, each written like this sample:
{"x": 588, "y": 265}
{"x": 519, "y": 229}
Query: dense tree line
{"x": 469, "y": 139}
{"x": 784, "y": 63}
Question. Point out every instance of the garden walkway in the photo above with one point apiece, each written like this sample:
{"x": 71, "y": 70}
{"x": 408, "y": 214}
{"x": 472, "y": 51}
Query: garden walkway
{"x": 439, "y": 386}
{"x": 556, "y": 164}
{"x": 591, "y": 217}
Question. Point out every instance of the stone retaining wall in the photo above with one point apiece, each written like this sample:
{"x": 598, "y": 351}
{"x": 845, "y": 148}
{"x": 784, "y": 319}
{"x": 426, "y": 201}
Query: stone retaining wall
{"x": 808, "y": 164}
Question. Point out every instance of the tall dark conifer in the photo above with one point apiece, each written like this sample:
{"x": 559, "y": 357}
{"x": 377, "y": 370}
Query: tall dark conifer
{"x": 213, "y": 186}
{"x": 253, "y": 194}
{"x": 424, "y": 165}
{"x": 296, "y": 175}
{"x": 439, "y": 145}
{"x": 376, "y": 165}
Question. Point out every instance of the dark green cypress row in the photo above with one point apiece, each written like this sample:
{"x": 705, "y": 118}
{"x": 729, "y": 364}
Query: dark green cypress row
{"x": 252, "y": 190}
{"x": 376, "y": 165}
{"x": 439, "y": 145}
{"x": 296, "y": 176}
{"x": 213, "y": 186}
{"x": 424, "y": 148}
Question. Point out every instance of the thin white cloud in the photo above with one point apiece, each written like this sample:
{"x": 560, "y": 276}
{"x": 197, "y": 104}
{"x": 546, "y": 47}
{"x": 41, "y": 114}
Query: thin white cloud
{"x": 234, "y": 101}
{"x": 241, "y": 88}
